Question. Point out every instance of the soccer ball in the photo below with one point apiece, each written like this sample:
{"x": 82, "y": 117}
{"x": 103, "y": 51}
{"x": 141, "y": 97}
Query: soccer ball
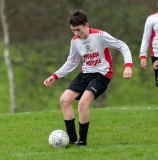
{"x": 58, "y": 138}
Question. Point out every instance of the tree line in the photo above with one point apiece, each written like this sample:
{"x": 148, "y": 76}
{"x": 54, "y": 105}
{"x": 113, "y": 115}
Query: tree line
{"x": 39, "y": 39}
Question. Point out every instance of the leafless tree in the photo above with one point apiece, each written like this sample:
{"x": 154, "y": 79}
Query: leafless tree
{"x": 7, "y": 55}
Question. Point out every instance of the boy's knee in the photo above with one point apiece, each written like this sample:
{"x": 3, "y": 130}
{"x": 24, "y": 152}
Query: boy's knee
{"x": 65, "y": 100}
{"x": 82, "y": 106}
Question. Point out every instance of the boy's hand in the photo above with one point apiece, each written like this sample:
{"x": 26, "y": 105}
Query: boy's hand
{"x": 127, "y": 73}
{"x": 49, "y": 81}
{"x": 155, "y": 65}
{"x": 143, "y": 63}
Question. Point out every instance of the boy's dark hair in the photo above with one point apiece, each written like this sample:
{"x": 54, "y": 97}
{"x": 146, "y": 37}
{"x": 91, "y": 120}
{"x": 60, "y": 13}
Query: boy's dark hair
{"x": 78, "y": 17}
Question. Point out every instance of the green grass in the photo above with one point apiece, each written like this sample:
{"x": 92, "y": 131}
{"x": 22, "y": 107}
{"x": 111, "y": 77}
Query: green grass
{"x": 114, "y": 134}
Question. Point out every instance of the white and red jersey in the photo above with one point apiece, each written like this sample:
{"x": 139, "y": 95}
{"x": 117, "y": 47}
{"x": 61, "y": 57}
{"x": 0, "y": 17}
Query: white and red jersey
{"x": 150, "y": 37}
{"x": 94, "y": 54}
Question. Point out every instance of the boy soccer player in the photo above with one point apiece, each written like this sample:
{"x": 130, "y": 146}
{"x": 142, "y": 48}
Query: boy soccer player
{"x": 91, "y": 47}
{"x": 150, "y": 37}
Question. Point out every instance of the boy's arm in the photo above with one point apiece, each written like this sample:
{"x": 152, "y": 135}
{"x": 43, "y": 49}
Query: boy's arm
{"x": 114, "y": 43}
{"x": 146, "y": 39}
{"x": 72, "y": 61}
{"x": 145, "y": 43}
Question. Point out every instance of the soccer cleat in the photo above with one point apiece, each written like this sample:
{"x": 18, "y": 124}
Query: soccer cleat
{"x": 76, "y": 142}
{"x": 80, "y": 143}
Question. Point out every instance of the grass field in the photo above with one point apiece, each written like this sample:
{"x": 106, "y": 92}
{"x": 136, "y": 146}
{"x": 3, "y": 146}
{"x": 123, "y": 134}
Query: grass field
{"x": 114, "y": 134}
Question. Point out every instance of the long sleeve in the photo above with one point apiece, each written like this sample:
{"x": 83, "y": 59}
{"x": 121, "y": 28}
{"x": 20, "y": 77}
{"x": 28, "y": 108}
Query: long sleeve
{"x": 146, "y": 38}
{"x": 114, "y": 43}
{"x": 72, "y": 62}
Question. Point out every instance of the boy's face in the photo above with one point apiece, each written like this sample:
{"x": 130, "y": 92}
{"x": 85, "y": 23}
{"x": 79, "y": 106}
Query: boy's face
{"x": 81, "y": 31}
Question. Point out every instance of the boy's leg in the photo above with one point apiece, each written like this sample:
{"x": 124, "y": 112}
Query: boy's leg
{"x": 95, "y": 88}
{"x": 66, "y": 104}
{"x": 71, "y": 130}
{"x": 83, "y": 106}
{"x": 84, "y": 116}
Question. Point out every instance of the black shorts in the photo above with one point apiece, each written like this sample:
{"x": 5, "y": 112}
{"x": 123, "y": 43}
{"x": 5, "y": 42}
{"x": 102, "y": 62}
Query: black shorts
{"x": 95, "y": 82}
{"x": 155, "y": 71}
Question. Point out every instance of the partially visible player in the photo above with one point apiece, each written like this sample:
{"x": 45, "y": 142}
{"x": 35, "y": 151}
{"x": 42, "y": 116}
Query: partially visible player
{"x": 150, "y": 38}
{"x": 91, "y": 47}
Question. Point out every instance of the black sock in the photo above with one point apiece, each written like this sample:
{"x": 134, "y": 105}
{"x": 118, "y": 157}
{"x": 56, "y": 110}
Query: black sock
{"x": 83, "y": 131}
{"x": 71, "y": 130}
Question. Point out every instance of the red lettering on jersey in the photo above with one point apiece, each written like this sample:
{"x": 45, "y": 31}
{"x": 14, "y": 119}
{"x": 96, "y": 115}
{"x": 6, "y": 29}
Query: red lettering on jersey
{"x": 93, "y": 63}
{"x": 91, "y": 55}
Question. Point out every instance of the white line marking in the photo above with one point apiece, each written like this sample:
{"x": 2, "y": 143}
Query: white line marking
{"x": 31, "y": 153}
{"x": 133, "y": 108}
{"x": 106, "y": 108}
